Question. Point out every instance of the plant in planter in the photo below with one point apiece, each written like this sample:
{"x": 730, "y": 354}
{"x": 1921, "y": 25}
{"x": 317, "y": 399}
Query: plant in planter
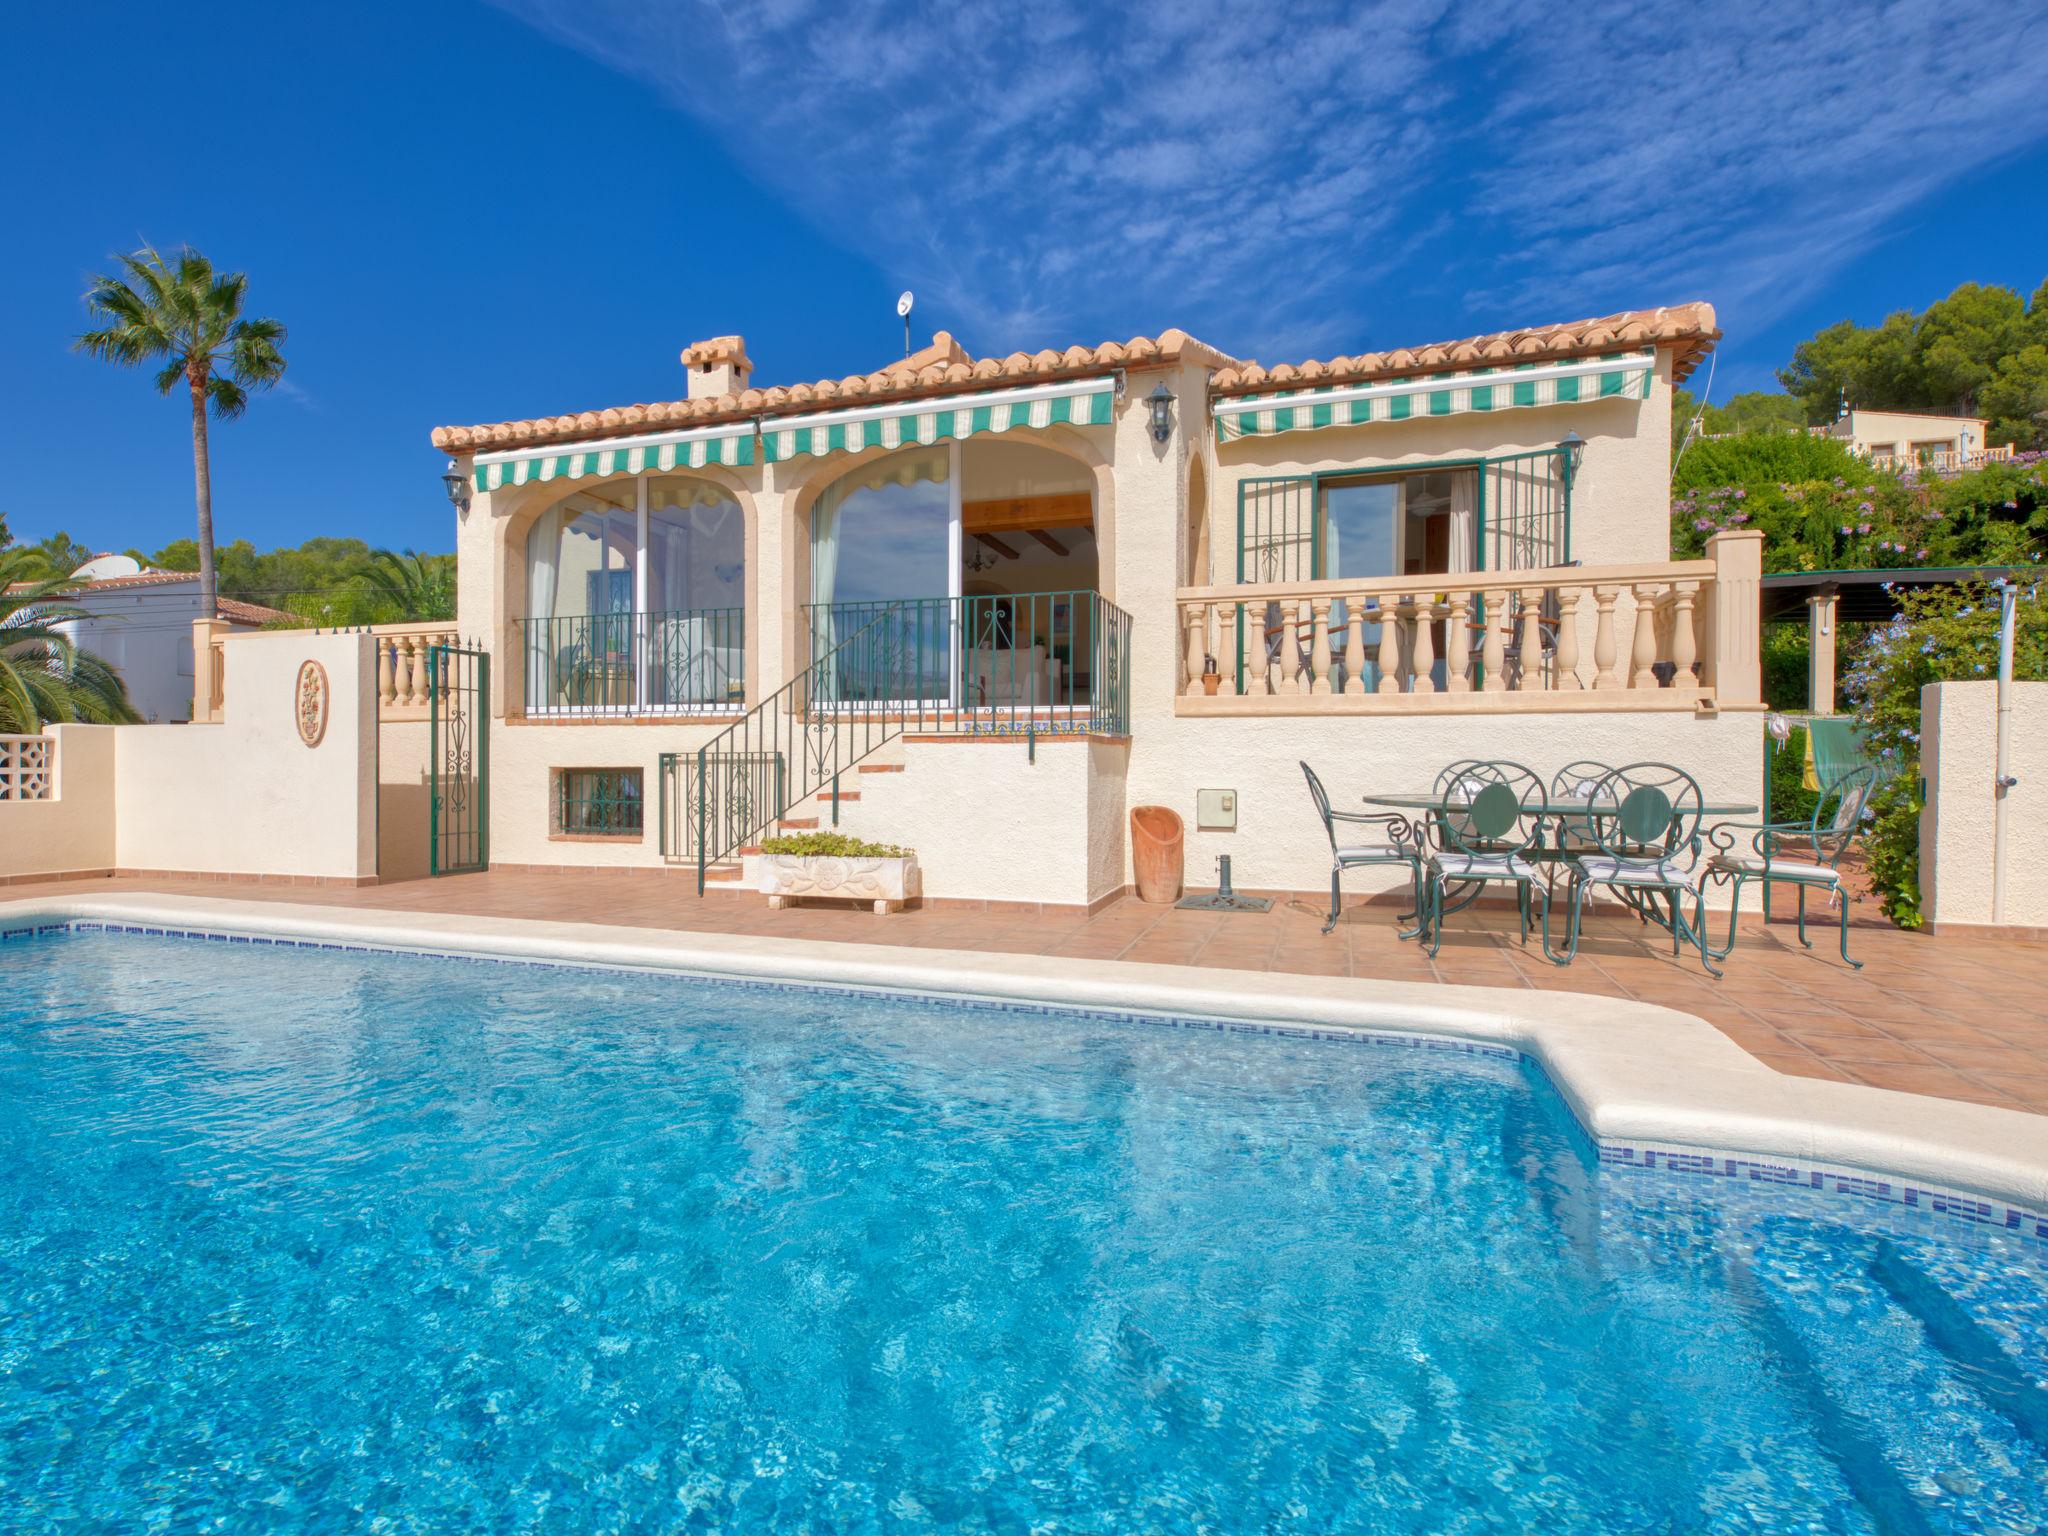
{"x": 1211, "y": 678}
{"x": 833, "y": 866}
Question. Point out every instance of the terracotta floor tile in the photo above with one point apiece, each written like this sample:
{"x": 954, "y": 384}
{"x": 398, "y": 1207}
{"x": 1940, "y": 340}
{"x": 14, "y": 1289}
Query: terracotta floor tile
{"x": 1859, "y": 1050}
{"x": 1935, "y": 1081}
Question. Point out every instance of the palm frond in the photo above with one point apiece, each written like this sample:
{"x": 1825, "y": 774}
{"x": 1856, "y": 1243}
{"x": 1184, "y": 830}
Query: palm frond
{"x": 227, "y": 397}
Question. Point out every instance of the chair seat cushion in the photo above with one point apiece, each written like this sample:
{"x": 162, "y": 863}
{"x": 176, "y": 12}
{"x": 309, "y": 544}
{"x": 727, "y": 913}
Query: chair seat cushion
{"x": 1781, "y": 869}
{"x": 1605, "y": 869}
{"x": 1482, "y": 866}
{"x": 1373, "y": 853}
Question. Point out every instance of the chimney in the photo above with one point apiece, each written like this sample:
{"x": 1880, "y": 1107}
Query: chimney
{"x": 718, "y": 366}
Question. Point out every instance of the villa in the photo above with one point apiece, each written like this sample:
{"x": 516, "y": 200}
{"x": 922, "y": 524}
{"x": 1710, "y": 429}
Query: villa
{"x": 983, "y": 606}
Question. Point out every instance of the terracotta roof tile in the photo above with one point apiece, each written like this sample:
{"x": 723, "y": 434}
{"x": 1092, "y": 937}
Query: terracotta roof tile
{"x": 947, "y": 370}
{"x": 942, "y": 367}
{"x": 232, "y": 609}
{"x": 1688, "y": 329}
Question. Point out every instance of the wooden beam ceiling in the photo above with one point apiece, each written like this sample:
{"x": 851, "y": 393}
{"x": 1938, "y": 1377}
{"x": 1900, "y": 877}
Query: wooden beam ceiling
{"x": 997, "y": 545}
{"x": 1048, "y": 541}
{"x": 1020, "y": 514}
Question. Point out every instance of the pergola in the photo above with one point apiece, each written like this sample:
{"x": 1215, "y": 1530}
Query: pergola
{"x": 1858, "y": 597}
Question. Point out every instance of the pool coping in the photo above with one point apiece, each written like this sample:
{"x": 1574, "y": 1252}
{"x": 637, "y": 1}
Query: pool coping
{"x": 1651, "y": 1086}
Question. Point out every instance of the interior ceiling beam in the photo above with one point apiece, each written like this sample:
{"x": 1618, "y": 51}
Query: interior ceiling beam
{"x": 1017, "y": 514}
{"x": 997, "y": 545}
{"x": 1047, "y": 540}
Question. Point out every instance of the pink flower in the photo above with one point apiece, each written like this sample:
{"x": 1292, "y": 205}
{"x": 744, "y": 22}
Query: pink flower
{"x": 1863, "y": 527}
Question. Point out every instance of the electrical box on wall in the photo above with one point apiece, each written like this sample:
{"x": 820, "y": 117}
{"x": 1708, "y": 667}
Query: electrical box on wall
{"x": 1215, "y": 810}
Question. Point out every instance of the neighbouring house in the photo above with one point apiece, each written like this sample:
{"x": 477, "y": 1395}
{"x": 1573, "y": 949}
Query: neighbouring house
{"x": 140, "y": 622}
{"x": 1915, "y": 440}
{"x": 984, "y": 606}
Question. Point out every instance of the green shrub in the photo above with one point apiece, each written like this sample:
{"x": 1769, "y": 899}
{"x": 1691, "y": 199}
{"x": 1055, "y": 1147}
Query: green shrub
{"x": 1942, "y": 634}
{"x": 1787, "y": 658}
{"x": 1791, "y": 800}
{"x": 1765, "y": 458}
{"x": 831, "y": 845}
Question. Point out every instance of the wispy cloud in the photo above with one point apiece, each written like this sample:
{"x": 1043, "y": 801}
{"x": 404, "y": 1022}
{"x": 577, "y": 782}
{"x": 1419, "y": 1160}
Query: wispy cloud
{"x": 1310, "y": 178}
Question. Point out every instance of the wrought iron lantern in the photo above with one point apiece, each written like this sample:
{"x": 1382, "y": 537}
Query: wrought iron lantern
{"x": 458, "y": 489}
{"x": 1161, "y": 402}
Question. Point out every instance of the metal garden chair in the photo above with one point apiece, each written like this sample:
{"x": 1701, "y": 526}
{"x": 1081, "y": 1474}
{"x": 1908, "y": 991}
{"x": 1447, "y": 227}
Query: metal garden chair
{"x": 1483, "y": 835}
{"x": 1401, "y": 846}
{"x": 1647, "y": 844}
{"x": 1805, "y": 854}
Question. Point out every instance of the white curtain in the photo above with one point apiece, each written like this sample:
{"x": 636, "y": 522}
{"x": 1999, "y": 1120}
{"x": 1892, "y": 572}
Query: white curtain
{"x": 543, "y": 570}
{"x": 1464, "y": 539}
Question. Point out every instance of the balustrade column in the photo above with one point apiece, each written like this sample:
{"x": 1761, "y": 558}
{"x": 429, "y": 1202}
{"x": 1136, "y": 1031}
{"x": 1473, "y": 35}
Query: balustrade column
{"x": 1390, "y": 645}
{"x": 1603, "y": 639}
{"x": 1319, "y": 645}
{"x": 1532, "y": 679}
{"x": 1568, "y": 639}
{"x": 1495, "y": 654}
{"x": 1684, "y": 638}
{"x": 1194, "y": 616}
{"x": 1214, "y": 618}
{"x": 1290, "y": 653}
{"x": 1425, "y": 646}
{"x": 1643, "y": 674}
{"x": 387, "y": 682}
{"x": 1458, "y": 645}
{"x": 1354, "y": 645}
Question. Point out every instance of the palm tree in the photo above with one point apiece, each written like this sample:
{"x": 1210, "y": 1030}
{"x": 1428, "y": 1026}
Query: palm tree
{"x": 189, "y": 319}
{"x": 44, "y": 676}
{"x": 415, "y": 586}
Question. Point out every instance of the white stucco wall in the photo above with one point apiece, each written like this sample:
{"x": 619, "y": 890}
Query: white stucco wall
{"x": 72, "y": 832}
{"x": 1959, "y": 755}
{"x": 247, "y": 796}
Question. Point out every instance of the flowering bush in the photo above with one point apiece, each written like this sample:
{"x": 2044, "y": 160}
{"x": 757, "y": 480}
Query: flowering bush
{"x": 1941, "y": 634}
{"x": 1874, "y": 519}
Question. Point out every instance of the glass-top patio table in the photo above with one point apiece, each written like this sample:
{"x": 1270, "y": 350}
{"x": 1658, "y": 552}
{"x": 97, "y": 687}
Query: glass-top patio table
{"x": 1552, "y": 850}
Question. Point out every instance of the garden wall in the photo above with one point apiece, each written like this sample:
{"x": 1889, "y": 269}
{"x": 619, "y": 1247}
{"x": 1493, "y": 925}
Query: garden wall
{"x": 1959, "y": 755}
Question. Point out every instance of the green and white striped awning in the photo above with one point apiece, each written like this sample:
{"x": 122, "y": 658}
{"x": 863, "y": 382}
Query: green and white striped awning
{"x": 1625, "y": 376}
{"x": 1076, "y": 402}
{"x": 730, "y": 445}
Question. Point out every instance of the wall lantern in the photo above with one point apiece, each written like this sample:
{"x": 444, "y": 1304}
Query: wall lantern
{"x": 458, "y": 489}
{"x": 1574, "y": 450}
{"x": 1161, "y": 401}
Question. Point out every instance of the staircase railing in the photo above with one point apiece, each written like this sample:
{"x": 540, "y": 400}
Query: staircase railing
{"x": 1009, "y": 665}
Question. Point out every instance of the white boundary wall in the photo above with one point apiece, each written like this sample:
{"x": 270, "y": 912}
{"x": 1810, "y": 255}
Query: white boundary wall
{"x": 1959, "y": 757}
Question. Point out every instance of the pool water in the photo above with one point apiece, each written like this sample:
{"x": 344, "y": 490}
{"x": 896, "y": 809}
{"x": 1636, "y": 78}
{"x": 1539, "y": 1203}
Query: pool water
{"x": 296, "y": 1241}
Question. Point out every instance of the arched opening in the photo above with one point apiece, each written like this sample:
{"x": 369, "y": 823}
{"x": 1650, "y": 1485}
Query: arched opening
{"x": 1197, "y": 571}
{"x": 635, "y": 599}
{"x": 960, "y": 575}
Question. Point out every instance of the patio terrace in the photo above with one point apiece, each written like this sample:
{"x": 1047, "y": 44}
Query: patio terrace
{"x": 1958, "y": 1017}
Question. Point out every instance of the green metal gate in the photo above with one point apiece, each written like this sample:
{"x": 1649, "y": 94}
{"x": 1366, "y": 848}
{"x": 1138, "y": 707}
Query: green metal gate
{"x": 458, "y": 760}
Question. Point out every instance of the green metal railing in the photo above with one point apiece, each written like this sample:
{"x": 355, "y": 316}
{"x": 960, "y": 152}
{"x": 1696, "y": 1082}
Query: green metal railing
{"x": 600, "y": 802}
{"x": 1023, "y": 665}
{"x": 636, "y": 663}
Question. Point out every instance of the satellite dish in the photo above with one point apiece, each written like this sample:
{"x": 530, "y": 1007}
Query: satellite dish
{"x": 101, "y": 567}
{"x": 903, "y": 302}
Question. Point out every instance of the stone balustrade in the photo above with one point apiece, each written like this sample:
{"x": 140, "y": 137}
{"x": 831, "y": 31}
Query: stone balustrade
{"x": 1664, "y": 635}
{"x": 403, "y": 685}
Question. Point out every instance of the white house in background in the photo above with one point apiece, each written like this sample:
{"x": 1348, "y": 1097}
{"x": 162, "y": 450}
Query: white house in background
{"x": 140, "y": 622}
{"x": 1915, "y": 439}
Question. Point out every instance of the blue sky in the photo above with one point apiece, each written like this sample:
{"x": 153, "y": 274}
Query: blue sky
{"x": 470, "y": 212}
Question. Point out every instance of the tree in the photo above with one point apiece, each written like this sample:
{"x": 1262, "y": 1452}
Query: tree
{"x": 44, "y": 676}
{"x": 59, "y": 554}
{"x": 1981, "y": 351}
{"x": 411, "y": 585}
{"x": 189, "y": 319}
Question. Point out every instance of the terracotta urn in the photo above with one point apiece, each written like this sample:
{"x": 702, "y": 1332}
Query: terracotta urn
{"x": 1157, "y": 838}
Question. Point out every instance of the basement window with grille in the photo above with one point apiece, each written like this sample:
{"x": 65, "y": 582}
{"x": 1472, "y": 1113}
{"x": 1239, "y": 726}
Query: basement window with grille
{"x": 600, "y": 803}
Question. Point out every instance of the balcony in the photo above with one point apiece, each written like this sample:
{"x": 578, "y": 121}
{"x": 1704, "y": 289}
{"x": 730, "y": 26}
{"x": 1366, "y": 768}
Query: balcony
{"x": 628, "y": 664}
{"x": 1669, "y": 635}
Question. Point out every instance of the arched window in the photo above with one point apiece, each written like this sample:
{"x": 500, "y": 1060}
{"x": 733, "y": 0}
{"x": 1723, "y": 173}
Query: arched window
{"x": 884, "y": 531}
{"x": 635, "y": 598}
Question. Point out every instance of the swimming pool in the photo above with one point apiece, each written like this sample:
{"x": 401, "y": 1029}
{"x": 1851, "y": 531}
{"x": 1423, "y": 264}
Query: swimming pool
{"x": 303, "y": 1241}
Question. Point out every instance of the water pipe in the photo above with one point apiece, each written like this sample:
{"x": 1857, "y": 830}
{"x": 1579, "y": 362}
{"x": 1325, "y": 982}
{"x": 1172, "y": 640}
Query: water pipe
{"x": 2001, "y": 785}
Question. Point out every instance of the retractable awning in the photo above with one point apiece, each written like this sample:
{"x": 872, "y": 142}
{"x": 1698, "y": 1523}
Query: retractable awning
{"x": 1623, "y": 376}
{"x": 652, "y": 453}
{"x": 1075, "y": 402}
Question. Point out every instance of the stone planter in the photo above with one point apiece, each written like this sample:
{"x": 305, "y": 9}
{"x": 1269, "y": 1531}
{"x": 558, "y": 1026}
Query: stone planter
{"x": 787, "y": 878}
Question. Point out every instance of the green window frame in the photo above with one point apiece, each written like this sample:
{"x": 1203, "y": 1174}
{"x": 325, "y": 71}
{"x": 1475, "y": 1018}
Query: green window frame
{"x": 1279, "y": 516}
{"x": 600, "y": 802}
